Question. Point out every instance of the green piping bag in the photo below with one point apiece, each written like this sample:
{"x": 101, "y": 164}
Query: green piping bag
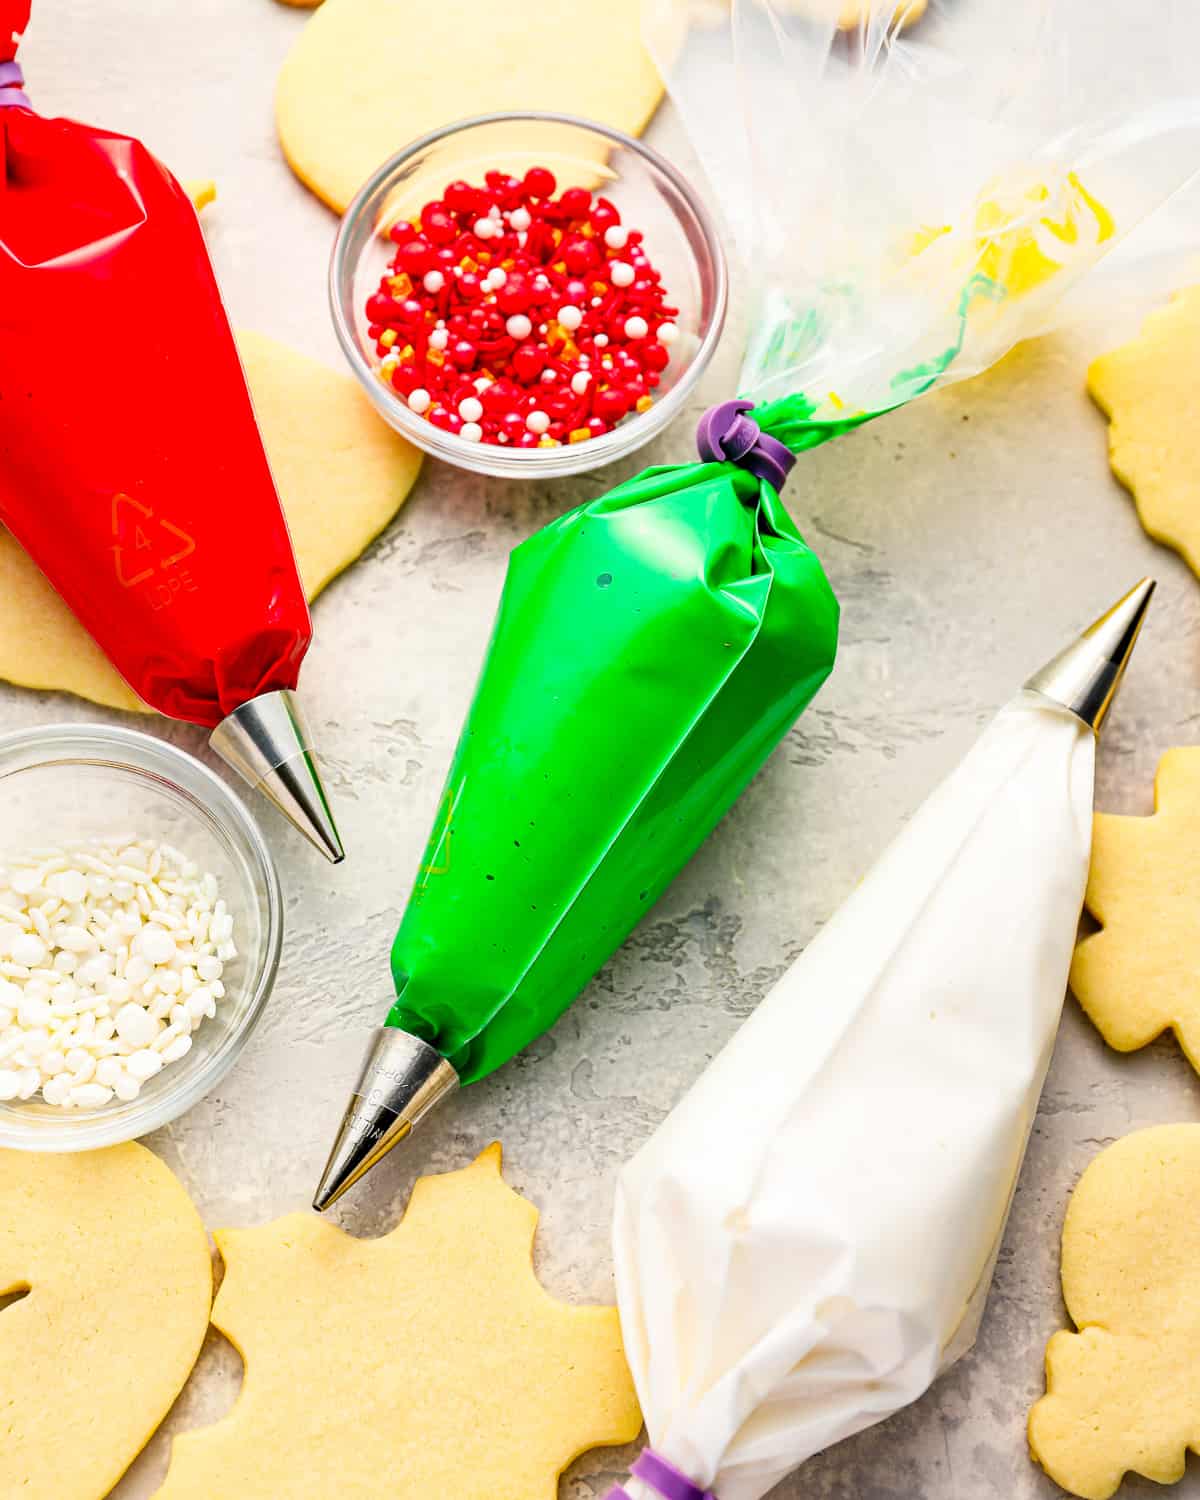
{"x": 651, "y": 649}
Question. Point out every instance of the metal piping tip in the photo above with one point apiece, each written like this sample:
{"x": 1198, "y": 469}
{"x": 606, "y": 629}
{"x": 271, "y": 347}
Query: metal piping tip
{"x": 267, "y": 742}
{"x": 401, "y": 1081}
{"x": 1085, "y": 677}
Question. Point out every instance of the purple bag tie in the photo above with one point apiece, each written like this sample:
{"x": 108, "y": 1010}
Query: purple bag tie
{"x": 726, "y": 433}
{"x": 11, "y": 83}
{"x": 670, "y": 1482}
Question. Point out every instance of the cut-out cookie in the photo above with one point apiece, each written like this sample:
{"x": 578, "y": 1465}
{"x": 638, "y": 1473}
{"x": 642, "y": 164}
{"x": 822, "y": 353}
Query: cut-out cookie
{"x": 342, "y": 475}
{"x": 120, "y": 1282}
{"x": 1140, "y": 975}
{"x": 1123, "y": 1394}
{"x": 1150, "y": 390}
{"x": 428, "y": 1363}
{"x": 366, "y": 77}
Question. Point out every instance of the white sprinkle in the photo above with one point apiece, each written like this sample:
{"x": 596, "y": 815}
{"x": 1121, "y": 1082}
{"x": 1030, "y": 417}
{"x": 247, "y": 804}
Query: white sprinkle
{"x": 70, "y": 885}
{"x": 570, "y": 317}
{"x": 616, "y": 236}
{"x": 470, "y": 409}
{"x": 35, "y": 1042}
{"x": 90, "y": 1095}
{"x": 180, "y": 1047}
{"x": 439, "y": 338}
{"x": 127, "y": 1089}
{"x": 419, "y": 400}
{"x": 471, "y": 432}
{"x": 109, "y": 1072}
{"x": 157, "y": 946}
{"x": 520, "y": 219}
{"x": 518, "y": 326}
{"x": 33, "y": 1011}
{"x": 621, "y": 273}
{"x": 28, "y": 950}
{"x": 137, "y": 970}
{"x": 580, "y": 382}
{"x": 433, "y": 281}
{"x": 143, "y": 1064}
{"x": 10, "y": 1083}
{"x": 55, "y": 1090}
{"x": 537, "y": 421}
{"x": 636, "y": 328}
{"x": 601, "y": 340}
{"x": 135, "y": 1025}
{"x": 484, "y": 228}
{"x": 667, "y": 333}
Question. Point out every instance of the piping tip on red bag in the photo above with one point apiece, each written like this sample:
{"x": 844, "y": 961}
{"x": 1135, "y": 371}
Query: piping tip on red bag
{"x": 266, "y": 741}
{"x": 138, "y": 482}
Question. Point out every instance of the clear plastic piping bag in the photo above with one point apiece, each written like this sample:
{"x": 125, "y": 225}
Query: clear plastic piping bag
{"x": 915, "y": 200}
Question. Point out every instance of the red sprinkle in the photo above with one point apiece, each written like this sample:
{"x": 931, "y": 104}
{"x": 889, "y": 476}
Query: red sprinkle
{"x": 542, "y": 329}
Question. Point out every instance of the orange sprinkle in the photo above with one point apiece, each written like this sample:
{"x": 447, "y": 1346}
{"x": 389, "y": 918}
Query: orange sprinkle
{"x": 645, "y": 403}
{"x": 388, "y": 337}
{"x": 578, "y": 435}
{"x": 401, "y": 285}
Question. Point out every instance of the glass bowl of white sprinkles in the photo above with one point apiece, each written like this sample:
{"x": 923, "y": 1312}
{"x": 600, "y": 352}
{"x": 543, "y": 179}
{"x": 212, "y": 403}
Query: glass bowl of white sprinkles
{"x": 140, "y": 929}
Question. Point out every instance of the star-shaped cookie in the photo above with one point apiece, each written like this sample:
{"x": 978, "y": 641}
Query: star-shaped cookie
{"x": 429, "y": 1363}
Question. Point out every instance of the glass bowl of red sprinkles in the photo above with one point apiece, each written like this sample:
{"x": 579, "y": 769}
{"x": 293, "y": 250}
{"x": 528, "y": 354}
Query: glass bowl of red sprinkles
{"x": 528, "y": 294}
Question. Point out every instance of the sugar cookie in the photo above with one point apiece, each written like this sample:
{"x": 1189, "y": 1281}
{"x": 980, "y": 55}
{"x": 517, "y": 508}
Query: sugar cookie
{"x": 1138, "y": 975}
{"x": 342, "y": 476}
{"x": 117, "y": 1265}
{"x": 366, "y": 77}
{"x": 426, "y": 1363}
{"x": 1150, "y": 390}
{"x": 1123, "y": 1394}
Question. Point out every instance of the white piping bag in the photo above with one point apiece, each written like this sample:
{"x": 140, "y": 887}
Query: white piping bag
{"x": 808, "y": 1239}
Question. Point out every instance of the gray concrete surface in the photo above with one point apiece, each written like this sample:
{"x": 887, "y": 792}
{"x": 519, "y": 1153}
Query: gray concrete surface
{"x": 967, "y": 536}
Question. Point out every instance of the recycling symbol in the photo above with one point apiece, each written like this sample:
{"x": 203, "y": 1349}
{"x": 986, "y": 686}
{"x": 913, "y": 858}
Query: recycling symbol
{"x": 144, "y": 544}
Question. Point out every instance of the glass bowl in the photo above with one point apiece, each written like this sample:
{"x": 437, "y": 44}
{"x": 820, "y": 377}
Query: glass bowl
{"x": 652, "y": 196}
{"x": 70, "y": 782}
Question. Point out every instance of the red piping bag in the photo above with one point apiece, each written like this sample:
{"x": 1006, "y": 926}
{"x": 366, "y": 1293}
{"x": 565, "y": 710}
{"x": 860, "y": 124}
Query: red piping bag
{"x": 131, "y": 466}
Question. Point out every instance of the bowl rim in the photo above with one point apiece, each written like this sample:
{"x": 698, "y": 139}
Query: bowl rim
{"x": 534, "y": 463}
{"x": 115, "y": 747}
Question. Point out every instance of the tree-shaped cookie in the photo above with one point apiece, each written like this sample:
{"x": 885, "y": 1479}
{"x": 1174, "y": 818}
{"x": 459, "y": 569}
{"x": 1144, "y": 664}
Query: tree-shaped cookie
{"x": 426, "y": 1365}
{"x": 1141, "y": 973}
{"x": 1150, "y": 389}
{"x": 1123, "y": 1394}
{"x": 110, "y": 1268}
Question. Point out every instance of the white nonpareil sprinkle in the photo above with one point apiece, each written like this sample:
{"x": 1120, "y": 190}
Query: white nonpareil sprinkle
{"x": 111, "y": 956}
